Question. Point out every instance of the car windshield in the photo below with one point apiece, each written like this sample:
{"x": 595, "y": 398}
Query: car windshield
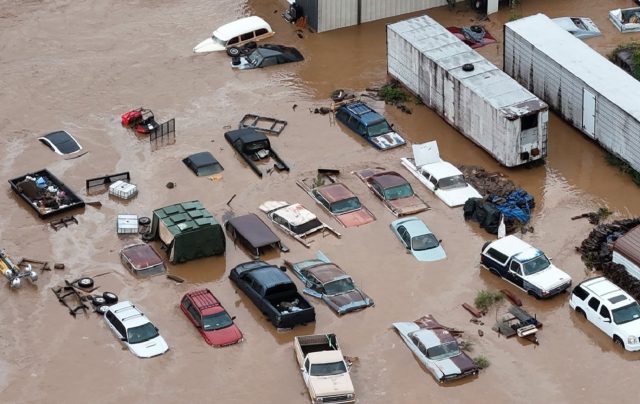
{"x": 327, "y": 369}
{"x": 141, "y": 333}
{"x": 424, "y": 242}
{"x": 455, "y": 181}
{"x": 343, "y": 285}
{"x": 255, "y": 58}
{"x": 398, "y": 192}
{"x": 345, "y": 205}
{"x": 446, "y": 350}
{"x": 379, "y": 128}
{"x": 216, "y": 321}
{"x": 535, "y": 265}
{"x": 627, "y": 313}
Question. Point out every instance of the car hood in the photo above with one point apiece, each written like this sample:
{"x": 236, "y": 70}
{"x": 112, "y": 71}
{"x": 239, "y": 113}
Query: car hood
{"x": 208, "y": 45}
{"x": 225, "y": 336}
{"x": 456, "y": 365}
{"x": 407, "y": 206}
{"x": 355, "y": 218}
{"x": 387, "y": 141}
{"x": 433, "y": 254}
{"x": 346, "y": 302}
{"x": 147, "y": 349}
{"x": 631, "y": 328}
{"x": 457, "y": 196}
{"x": 331, "y": 385}
{"x": 549, "y": 278}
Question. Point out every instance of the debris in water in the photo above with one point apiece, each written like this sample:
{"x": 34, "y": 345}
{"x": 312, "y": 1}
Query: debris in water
{"x": 171, "y": 185}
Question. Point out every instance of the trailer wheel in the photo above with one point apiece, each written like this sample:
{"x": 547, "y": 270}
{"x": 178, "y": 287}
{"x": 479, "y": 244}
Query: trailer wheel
{"x": 110, "y": 298}
{"x": 85, "y": 283}
{"x": 233, "y": 51}
{"x": 98, "y": 301}
{"x": 102, "y": 309}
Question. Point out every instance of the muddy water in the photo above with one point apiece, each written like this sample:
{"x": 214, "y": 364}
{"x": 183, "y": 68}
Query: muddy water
{"x": 79, "y": 65}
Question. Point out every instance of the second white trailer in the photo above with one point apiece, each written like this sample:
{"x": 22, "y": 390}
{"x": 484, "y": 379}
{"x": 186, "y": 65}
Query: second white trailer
{"x": 470, "y": 93}
{"x": 591, "y": 93}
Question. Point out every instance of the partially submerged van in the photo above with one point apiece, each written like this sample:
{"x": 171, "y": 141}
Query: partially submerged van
{"x": 232, "y": 36}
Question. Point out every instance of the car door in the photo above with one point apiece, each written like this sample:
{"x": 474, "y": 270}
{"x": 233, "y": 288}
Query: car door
{"x": 305, "y": 371}
{"x": 592, "y": 312}
{"x": 430, "y": 181}
{"x": 404, "y": 236}
{"x": 377, "y": 190}
{"x": 311, "y": 281}
{"x": 186, "y": 303}
{"x": 111, "y": 321}
{"x": 361, "y": 129}
{"x": 514, "y": 274}
{"x": 605, "y": 320}
{"x": 320, "y": 199}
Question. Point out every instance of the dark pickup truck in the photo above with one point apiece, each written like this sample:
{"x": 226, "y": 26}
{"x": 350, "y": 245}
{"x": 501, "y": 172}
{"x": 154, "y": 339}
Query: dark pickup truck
{"x": 254, "y": 146}
{"x": 274, "y": 293}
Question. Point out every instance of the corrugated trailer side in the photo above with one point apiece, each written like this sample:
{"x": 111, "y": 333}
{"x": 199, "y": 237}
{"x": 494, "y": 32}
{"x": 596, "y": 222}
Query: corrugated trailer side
{"x": 334, "y": 14}
{"x": 377, "y": 9}
{"x": 591, "y": 93}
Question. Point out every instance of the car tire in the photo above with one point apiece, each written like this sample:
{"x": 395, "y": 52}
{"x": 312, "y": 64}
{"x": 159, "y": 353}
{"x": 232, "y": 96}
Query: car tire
{"x": 110, "y": 298}
{"x": 144, "y": 221}
{"x": 98, "y": 300}
{"x": 618, "y": 341}
{"x": 85, "y": 283}
{"x": 581, "y": 312}
{"x": 233, "y": 51}
{"x": 102, "y": 309}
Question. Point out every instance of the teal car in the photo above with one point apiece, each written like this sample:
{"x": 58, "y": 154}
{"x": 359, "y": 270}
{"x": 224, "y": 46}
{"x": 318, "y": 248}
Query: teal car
{"x": 416, "y": 237}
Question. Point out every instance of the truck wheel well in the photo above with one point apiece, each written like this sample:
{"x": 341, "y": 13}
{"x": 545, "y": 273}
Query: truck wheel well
{"x": 618, "y": 340}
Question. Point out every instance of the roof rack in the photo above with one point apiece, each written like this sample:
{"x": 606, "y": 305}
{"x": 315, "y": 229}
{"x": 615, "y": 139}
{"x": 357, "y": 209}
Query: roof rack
{"x": 205, "y": 292}
{"x": 359, "y": 108}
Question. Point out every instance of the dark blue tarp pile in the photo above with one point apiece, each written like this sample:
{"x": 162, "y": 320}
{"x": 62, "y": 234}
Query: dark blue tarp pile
{"x": 516, "y": 208}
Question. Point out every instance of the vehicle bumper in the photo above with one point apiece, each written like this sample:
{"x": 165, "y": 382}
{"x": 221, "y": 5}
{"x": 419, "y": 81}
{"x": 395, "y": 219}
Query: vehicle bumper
{"x": 555, "y": 291}
{"x": 339, "y": 399}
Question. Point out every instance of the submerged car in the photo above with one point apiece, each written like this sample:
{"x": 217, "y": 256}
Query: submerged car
{"x": 203, "y": 164}
{"x": 267, "y": 55}
{"x": 296, "y": 220}
{"x": 436, "y": 348}
{"x": 394, "y": 191}
{"x": 327, "y": 281}
{"x": 61, "y": 142}
{"x": 142, "y": 260}
{"x": 135, "y": 330}
{"x": 253, "y": 233}
{"x": 418, "y": 239}
{"x": 232, "y": 36}
{"x": 373, "y": 127}
{"x": 439, "y": 176}
{"x": 580, "y": 27}
{"x": 524, "y": 266}
{"x": 337, "y": 199}
{"x": 211, "y": 319}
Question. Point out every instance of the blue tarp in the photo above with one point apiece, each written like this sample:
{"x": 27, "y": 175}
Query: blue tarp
{"x": 517, "y": 205}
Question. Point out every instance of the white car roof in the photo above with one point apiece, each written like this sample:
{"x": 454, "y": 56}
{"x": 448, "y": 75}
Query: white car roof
{"x": 241, "y": 26}
{"x": 428, "y": 338}
{"x": 512, "y": 245}
{"x": 128, "y": 314}
{"x": 442, "y": 169}
{"x": 296, "y": 214}
{"x": 604, "y": 288}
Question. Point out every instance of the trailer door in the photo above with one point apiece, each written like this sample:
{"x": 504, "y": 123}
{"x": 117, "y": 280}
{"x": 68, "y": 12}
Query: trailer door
{"x": 588, "y": 113}
{"x": 449, "y": 107}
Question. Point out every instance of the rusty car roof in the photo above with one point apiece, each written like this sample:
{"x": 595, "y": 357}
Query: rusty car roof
{"x": 335, "y": 192}
{"x": 326, "y": 272}
{"x": 142, "y": 255}
{"x": 388, "y": 179}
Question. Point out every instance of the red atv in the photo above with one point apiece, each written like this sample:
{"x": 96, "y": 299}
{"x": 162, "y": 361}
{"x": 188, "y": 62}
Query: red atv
{"x": 141, "y": 120}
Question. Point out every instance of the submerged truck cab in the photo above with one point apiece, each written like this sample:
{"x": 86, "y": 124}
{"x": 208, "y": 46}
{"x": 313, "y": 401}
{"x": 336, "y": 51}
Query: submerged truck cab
{"x": 324, "y": 369}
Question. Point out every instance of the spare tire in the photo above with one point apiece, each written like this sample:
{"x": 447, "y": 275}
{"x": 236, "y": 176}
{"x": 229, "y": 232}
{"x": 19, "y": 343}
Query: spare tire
{"x": 85, "y": 283}
{"x": 233, "y": 51}
{"x": 148, "y": 236}
{"x": 110, "y": 298}
{"x": 98, "y": 300}
{"x": 144, "y": 221}
{"x": 102, "y": 309}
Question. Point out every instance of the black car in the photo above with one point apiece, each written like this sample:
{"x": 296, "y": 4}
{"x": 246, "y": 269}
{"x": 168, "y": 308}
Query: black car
{"x": 267, "y": 55}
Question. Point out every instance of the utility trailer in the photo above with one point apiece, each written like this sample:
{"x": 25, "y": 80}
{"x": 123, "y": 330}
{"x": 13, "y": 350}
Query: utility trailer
{"x": 582, "y": 86}
{"x": 467, "y": 91}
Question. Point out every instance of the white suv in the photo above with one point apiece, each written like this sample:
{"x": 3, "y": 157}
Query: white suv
{"x": 611, "y": 309}
{"x": 135, "y": 330}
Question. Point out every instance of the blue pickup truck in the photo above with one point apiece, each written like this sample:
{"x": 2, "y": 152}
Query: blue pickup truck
{"x": 524, "y": 266}
{"x": 369, "y": 124}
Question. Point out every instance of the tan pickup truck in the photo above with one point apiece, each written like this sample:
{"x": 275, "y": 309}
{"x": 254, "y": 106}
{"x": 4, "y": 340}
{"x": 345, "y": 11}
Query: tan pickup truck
{"x": 324, "y": 369}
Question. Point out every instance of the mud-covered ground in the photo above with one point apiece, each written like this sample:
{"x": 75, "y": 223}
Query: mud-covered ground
{"x": 77, "y": 65}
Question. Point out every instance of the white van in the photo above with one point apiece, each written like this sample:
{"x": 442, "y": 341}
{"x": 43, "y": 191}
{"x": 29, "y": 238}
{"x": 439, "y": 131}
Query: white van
{"x": 232, "y": 36}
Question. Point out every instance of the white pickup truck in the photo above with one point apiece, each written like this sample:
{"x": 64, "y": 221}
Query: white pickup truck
{"x": 324, "y": 369}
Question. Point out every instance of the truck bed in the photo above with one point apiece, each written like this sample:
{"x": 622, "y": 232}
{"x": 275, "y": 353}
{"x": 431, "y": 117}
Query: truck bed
{"x": 317, "y": 343}
{"x": 290, "y": 310}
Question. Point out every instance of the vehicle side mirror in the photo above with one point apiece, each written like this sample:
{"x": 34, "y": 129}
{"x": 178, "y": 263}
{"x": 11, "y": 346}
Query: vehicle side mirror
{"x": 440, "y": 241}
{"x": 123, "y": 338}
{"x": 391, "y": 126}
{"x": 233, "y": 318}
{"x": 606, "y": 320}
{"x": 157, "y": 329}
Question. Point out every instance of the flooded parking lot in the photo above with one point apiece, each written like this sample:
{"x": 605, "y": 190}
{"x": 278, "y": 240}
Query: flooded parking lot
{"x": 78, "y": 65}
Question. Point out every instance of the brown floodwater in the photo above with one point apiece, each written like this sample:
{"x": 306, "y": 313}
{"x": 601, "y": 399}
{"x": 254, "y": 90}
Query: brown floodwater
{"x": 78, "y": 65}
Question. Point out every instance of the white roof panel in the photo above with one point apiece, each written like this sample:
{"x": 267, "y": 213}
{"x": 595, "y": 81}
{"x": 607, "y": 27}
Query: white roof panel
{"x": 583, "y": 62}
{"x": 450, "y": 53}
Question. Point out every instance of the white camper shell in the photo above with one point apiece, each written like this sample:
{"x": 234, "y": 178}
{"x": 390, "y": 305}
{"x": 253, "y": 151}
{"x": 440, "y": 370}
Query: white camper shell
{"x": 591, "y": 93}
{"x": 232, "y": 36}
{"x": 626, "y": 251}
{"x": 626, "y": 19}
{"x": 469, "y": 92}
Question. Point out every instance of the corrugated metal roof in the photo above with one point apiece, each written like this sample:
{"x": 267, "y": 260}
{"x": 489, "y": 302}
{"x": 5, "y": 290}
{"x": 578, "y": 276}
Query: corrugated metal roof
{"x": 629, "y": 245}
{"x": 583, "y": 62}
{"x": 185, "y": 217}
{"x": 450, "y": 53}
